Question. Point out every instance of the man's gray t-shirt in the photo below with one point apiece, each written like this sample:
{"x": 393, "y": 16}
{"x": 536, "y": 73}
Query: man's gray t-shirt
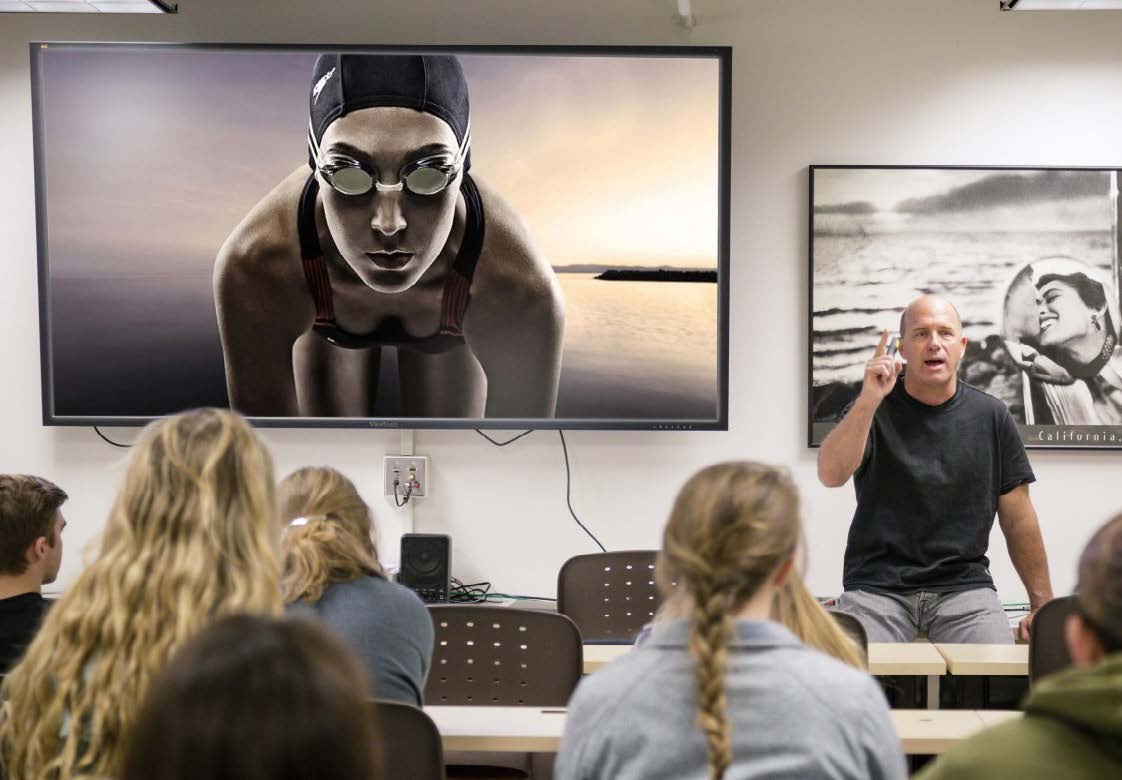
{"x": 387, "y": 626}
{"x": 794, "y": 714}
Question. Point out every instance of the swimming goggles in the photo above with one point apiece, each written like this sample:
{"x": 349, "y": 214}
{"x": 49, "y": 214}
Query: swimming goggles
{"x": 427, "y": 176}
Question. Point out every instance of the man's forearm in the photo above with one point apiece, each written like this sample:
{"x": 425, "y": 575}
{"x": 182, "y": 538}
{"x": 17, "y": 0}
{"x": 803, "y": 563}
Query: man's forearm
{"x": 841, "y": 452}
{"x": 1026, "y": 548}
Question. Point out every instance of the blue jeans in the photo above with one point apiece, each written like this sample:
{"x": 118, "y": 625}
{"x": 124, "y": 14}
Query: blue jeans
{"x": 966, "y": 616}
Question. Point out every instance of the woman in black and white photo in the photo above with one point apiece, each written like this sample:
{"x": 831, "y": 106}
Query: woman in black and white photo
{"x": 1068, "y": 351}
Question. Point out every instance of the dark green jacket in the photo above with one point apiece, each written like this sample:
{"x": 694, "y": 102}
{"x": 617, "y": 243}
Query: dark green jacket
{"x": 1072, "y": 730}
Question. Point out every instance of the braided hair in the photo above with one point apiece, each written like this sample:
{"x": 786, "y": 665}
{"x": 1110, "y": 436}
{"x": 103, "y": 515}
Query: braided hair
{"x": 732, "y": 526}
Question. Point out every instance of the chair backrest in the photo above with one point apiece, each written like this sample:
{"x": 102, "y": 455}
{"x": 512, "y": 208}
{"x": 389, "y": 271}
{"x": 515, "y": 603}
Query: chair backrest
{"x": 853, "y": 629}
{"x": 610, "y": 596}
{"x": 1047, "y": 648}
{"x": 411, "y": 747}
{"x": 503, "y": 656}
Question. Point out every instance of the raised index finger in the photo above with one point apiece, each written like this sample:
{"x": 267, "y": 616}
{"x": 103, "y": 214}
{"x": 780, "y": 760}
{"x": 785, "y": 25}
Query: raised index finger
{"x": 883, "y": 343}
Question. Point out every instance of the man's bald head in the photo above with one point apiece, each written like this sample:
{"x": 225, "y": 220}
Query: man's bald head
{"x": 929, "y": 304}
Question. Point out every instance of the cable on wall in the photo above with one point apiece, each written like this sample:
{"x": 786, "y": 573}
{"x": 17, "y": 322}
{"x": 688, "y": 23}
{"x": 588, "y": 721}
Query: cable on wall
{"x": 504, "y": 443}
{"x": 569, "y": 492}
{"x": 110, "y": 441}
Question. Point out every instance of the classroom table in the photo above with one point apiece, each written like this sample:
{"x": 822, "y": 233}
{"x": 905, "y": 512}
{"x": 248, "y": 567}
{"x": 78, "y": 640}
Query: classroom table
{"x": 538, "y": 729}
{"x": 919, "y": 659}
{"x": 995, "y": 660}
{"x": 912, "y": 659}
{"x": 994, "y": 717}
{"x": 597, "y": 655}
{"x": 902, "y": 658}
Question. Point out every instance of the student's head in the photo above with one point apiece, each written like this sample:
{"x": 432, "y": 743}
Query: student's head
{"x": 31, "y": 524}
{"x": 731, "y": 538}
{"x": 328, "y": 536}
{"x": 192, "y": 536}
{"x": 395, "y": 120}
{"x": 931, "y": 341}
{"x": 256, "y": 698}
{"x": 1095, "y": 629}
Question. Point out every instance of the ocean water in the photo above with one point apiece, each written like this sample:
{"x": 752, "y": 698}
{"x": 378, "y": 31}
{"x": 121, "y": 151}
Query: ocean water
{"x": 148, "y": 345}
{"x": 862, "y": 282}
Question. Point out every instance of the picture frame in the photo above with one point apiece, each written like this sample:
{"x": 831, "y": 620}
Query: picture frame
{"x": 1028, "y": 255}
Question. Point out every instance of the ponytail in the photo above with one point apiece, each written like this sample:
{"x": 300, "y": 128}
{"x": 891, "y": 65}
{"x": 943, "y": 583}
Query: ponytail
{"x": 329, "y": 537}
{"x": 731, "y": 527}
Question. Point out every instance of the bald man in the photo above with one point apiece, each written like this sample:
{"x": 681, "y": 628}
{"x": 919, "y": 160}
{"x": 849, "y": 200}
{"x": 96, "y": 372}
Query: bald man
{"x": 932, "y": 460}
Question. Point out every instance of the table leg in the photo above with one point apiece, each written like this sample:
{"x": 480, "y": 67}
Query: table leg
{"x": 932, "y": 691}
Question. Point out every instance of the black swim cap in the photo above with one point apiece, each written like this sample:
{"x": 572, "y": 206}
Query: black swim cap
{"x": 433, "y": 83}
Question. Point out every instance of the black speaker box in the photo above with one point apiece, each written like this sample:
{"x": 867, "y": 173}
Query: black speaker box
{"x": 426, "y": 565}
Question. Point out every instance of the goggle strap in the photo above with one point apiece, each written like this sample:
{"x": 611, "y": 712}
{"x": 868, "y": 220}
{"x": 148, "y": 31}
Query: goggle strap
{"x": 464, "y": 147}
{"x": 313, "y": 147}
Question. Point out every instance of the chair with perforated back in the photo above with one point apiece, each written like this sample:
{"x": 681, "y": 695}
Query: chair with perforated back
{"x": 411, "y": 747}
{"x": 502, "y": 656}
{"x": 610, "y": 596}
{"x": 1047, "y": 648}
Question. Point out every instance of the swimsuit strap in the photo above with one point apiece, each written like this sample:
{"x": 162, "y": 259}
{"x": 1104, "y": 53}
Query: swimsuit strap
{"x": 311, "y": 255}
{"x": 457, "y": 287}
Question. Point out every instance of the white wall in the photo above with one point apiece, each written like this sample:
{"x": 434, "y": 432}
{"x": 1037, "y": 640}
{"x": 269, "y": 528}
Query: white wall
{"x": 815, "y": 81}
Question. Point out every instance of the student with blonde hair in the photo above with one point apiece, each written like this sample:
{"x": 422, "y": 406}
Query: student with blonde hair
{"x": 727, "y": 691}
{"x": 1072, "y": 726}
{"x": 192, "y": 536}
{"x": 332, "y": 572}
{"x": 794, "y": 608}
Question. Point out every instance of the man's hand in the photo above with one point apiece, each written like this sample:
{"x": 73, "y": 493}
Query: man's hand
{"x": 881, "y": 371}
{"x": 1025, "y": 626}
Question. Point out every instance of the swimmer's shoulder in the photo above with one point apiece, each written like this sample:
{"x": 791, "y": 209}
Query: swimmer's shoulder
{"x": 510, "y": 259}
{"x": 261, "y": 256}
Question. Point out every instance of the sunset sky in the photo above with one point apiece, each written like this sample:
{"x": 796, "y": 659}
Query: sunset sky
{"x": 154, "y": 156}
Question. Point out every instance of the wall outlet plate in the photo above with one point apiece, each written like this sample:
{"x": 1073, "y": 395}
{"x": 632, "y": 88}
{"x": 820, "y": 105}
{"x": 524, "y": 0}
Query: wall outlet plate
{"x": 402, "y": 468}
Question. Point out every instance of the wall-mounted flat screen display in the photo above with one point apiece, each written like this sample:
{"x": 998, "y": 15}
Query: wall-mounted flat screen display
{"x": 393, "y": 237}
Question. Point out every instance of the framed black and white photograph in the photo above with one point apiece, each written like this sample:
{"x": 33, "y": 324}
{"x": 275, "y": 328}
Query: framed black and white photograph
{"x": 1029, "y": 257}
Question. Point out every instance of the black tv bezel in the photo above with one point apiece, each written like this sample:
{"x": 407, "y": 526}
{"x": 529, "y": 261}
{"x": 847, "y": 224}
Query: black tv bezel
{"x": 723, "y": 56}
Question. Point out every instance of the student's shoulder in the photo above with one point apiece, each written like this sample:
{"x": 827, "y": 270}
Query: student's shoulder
{"x": 836, "y": 685}
{"x": 1017, "y": 748}
{"x": 610, "y": 686}
{"x": 392, "y": 593}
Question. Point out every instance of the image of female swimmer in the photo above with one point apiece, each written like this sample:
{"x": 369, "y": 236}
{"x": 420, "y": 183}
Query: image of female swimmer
{"x": 388, "y": 241}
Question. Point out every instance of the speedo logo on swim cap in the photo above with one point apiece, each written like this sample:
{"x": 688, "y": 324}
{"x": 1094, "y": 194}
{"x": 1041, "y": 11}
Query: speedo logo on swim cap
{"x": 321, "y": 84}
